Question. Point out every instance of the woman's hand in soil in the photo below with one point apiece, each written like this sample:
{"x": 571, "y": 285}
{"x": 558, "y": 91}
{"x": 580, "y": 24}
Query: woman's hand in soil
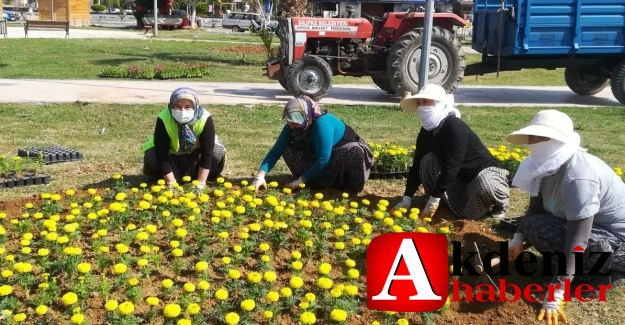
{"x": 294, "y": 184}
{"x": 259, "y": 182}
{"x": 199, "y": 189}
{"x": 552, "y": 311}
{"x": 515, "y": 246}
{"x": 404, "y": 203}
{"x": 430, "y": 208}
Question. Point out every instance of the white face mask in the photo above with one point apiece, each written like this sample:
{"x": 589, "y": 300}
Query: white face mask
{"x": 430, "y": 116}
{"x": 544, "y": 151}
{"x": 182, "y": 116}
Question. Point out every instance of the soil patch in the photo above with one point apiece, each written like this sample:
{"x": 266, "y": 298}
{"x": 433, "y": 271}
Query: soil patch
{"x": 248, "y": 49}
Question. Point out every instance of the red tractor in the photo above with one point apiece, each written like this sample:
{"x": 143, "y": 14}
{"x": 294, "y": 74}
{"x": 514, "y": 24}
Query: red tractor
{"x": 313, "y": 50}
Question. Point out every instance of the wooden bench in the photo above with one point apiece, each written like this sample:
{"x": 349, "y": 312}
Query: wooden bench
{"x": 170, "y": 23}
{"x": 46, "y": 25}
{"x": 3, "y": 27}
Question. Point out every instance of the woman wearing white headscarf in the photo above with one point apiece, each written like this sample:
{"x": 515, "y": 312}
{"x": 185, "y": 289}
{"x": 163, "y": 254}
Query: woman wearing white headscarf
{"x": 575, "y": 200}
{"x": 451, "y": 162}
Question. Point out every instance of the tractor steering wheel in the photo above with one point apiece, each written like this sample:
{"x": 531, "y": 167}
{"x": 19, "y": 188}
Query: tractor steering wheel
{"x": 373, "y": 17}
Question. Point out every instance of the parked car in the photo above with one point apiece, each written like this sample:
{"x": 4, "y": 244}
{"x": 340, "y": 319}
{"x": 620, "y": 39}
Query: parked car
{"x": 239, "y": 21}
{"x": 5, "y": 16}
{"x": 10, "y": 16}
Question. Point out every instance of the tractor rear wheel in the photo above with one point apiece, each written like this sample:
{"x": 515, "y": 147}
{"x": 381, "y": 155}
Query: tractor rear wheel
{"x": 383, "y": 83}
{"x": 617, "y": 82}
{"x": 583, "y": 83}
{"x": 446, "y": 66}
{"x": 310, "y": 76}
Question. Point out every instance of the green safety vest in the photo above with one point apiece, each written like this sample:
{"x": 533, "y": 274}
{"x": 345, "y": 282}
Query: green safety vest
{"x": 172, "y": 129}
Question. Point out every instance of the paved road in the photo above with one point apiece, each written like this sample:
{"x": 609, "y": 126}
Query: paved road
{"x": 140, "y": 92}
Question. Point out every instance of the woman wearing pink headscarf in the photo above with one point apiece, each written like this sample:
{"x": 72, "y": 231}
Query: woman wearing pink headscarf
{"x": 319, "y": 149}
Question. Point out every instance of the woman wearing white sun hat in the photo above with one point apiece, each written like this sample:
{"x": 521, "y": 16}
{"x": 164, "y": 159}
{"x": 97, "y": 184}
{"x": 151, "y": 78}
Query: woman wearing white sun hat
{"x": 451, "y": 162}
{"x": 575, "y": 200}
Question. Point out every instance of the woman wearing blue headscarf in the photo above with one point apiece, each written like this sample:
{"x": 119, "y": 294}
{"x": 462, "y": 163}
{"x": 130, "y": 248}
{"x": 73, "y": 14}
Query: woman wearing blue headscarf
{"x": 184, "y": 142}
{"x": 319, "y": 149}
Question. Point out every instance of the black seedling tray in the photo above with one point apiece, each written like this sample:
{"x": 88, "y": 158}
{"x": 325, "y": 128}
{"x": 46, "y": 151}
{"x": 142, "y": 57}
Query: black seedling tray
{"x": 510, "y": 224}
{"x": 51, "y": 154}
{"x": 41, "y": 178}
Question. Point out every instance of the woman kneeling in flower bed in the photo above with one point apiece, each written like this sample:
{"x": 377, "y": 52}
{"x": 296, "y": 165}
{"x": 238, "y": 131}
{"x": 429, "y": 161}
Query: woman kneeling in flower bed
{"x": 576, "y": 200}
{"x": 184, "y": 142}
{"x": 452, "y": 162}
{"x": 319, "y": 149}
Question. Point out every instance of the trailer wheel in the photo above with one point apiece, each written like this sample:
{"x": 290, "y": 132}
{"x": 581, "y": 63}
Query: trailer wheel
{"x": 447, "y": 61}
{"x": 582, "y": 83}
{"x": 384, "y": 84}
{"x": 617, "y": 82}
{"x": 310, "y": 76}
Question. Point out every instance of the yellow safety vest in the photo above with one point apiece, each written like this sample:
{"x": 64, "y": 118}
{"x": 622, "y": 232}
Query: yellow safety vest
{"x": 172, "y": 129}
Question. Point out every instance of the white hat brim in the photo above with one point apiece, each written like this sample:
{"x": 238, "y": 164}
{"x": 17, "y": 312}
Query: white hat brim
{"x": 521, "y": 136}
{"x": 409, "y": 104}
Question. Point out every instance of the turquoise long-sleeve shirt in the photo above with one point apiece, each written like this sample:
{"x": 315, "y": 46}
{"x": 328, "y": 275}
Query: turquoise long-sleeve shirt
{"x": 325, "y": 132}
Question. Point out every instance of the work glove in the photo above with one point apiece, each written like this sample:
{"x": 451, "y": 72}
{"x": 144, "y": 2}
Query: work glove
{"x": 199, "y": 189}
{"x": 294, "y": 184}
{"x": 552, "y": 311}
{"x": 173, "y": 187}
{"x": 515, "y": 246}
{"x": 404, "y": 203}
{"x": 259, "y": 182}
{"x": 430, "y": 207}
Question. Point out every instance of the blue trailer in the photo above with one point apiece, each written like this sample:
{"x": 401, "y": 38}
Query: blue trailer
{"x": 585, "y": 37}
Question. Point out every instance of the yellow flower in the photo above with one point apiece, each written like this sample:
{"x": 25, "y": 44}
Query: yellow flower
{"x": 203, "y": 285}
{"x": 171, "y": 311}
{"x": 353, "y": 273}
{"x": 267, "y": 314}
{"x": 69, "y": 298}
{"x": 338, "y": 315}
{"x": 177, "y": 252}
{"x": 232, "y": 318}
{"x": 296, "y": 282}
{"x": 221, "y": 294}
{"x": 167, "y": 283}
{"x": 286, "y": 292}
{"x": 133, "y": 281}
{"x": 41, "y": 310}
{"x": 307, "y": 318}
{"x": 201, "y": 266}
{"x": 189, "y": 287}
{"x": 120, "y": 268}
{"x": 248, "y": 304}
{"x": 310, "y": 297}
{"x": 84, "y": 267}
{"x": 402, "y": 321}
{"x": 183, "y": 322}
{"x": 422, "y": 229}
{"x": 19, "y": 318}
{"x": 111, "y": 305}
{"x": 270, "y": 276}
{"x": 273, "y": 296}
{"x": 443, "y": 230}
{"x": 254, "y": 277}
{"x": 152, "y": 301}
{"x": 234, "y": 274}
{"x": 324, "y": 283}
{"x": 126, "y": 308}
{"x": 193, "y": 309}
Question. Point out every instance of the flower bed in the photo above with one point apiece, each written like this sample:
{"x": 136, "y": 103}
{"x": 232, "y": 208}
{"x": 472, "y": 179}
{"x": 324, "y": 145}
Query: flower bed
{"x": 391, "y": 161}
{"x": 22, "y": 172}
{"x": 159, "y": 71}
{"x": 154, "y": 256}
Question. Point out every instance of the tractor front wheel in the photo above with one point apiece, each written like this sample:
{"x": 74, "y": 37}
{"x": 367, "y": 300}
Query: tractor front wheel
{"x": 446, "y": 66}
{"x": 384, "y": 84}
{"x": 310, "y": 76}
{"x": 583, "y": 83}
{"x": 283, "y": 84}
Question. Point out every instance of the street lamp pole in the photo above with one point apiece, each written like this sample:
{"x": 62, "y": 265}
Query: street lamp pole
{"x": 424, "y": 64}
{"x": 155, "y": 18}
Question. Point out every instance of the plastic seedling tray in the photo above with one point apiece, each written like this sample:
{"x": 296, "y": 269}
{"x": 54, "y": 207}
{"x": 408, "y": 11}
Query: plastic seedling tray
{"x": 51, "y": 155}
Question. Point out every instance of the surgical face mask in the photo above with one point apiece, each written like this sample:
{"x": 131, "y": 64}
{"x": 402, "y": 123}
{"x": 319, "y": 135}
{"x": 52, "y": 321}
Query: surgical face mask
{"x": 182, "y": 116}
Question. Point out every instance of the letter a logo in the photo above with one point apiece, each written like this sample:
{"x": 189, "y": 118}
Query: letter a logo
{"x": 407, "y": 272}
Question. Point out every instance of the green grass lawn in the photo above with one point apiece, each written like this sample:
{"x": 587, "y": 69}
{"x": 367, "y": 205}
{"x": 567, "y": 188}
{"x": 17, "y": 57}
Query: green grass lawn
{"x": 85, "y": 58}
{"x": 248, "y": 133}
